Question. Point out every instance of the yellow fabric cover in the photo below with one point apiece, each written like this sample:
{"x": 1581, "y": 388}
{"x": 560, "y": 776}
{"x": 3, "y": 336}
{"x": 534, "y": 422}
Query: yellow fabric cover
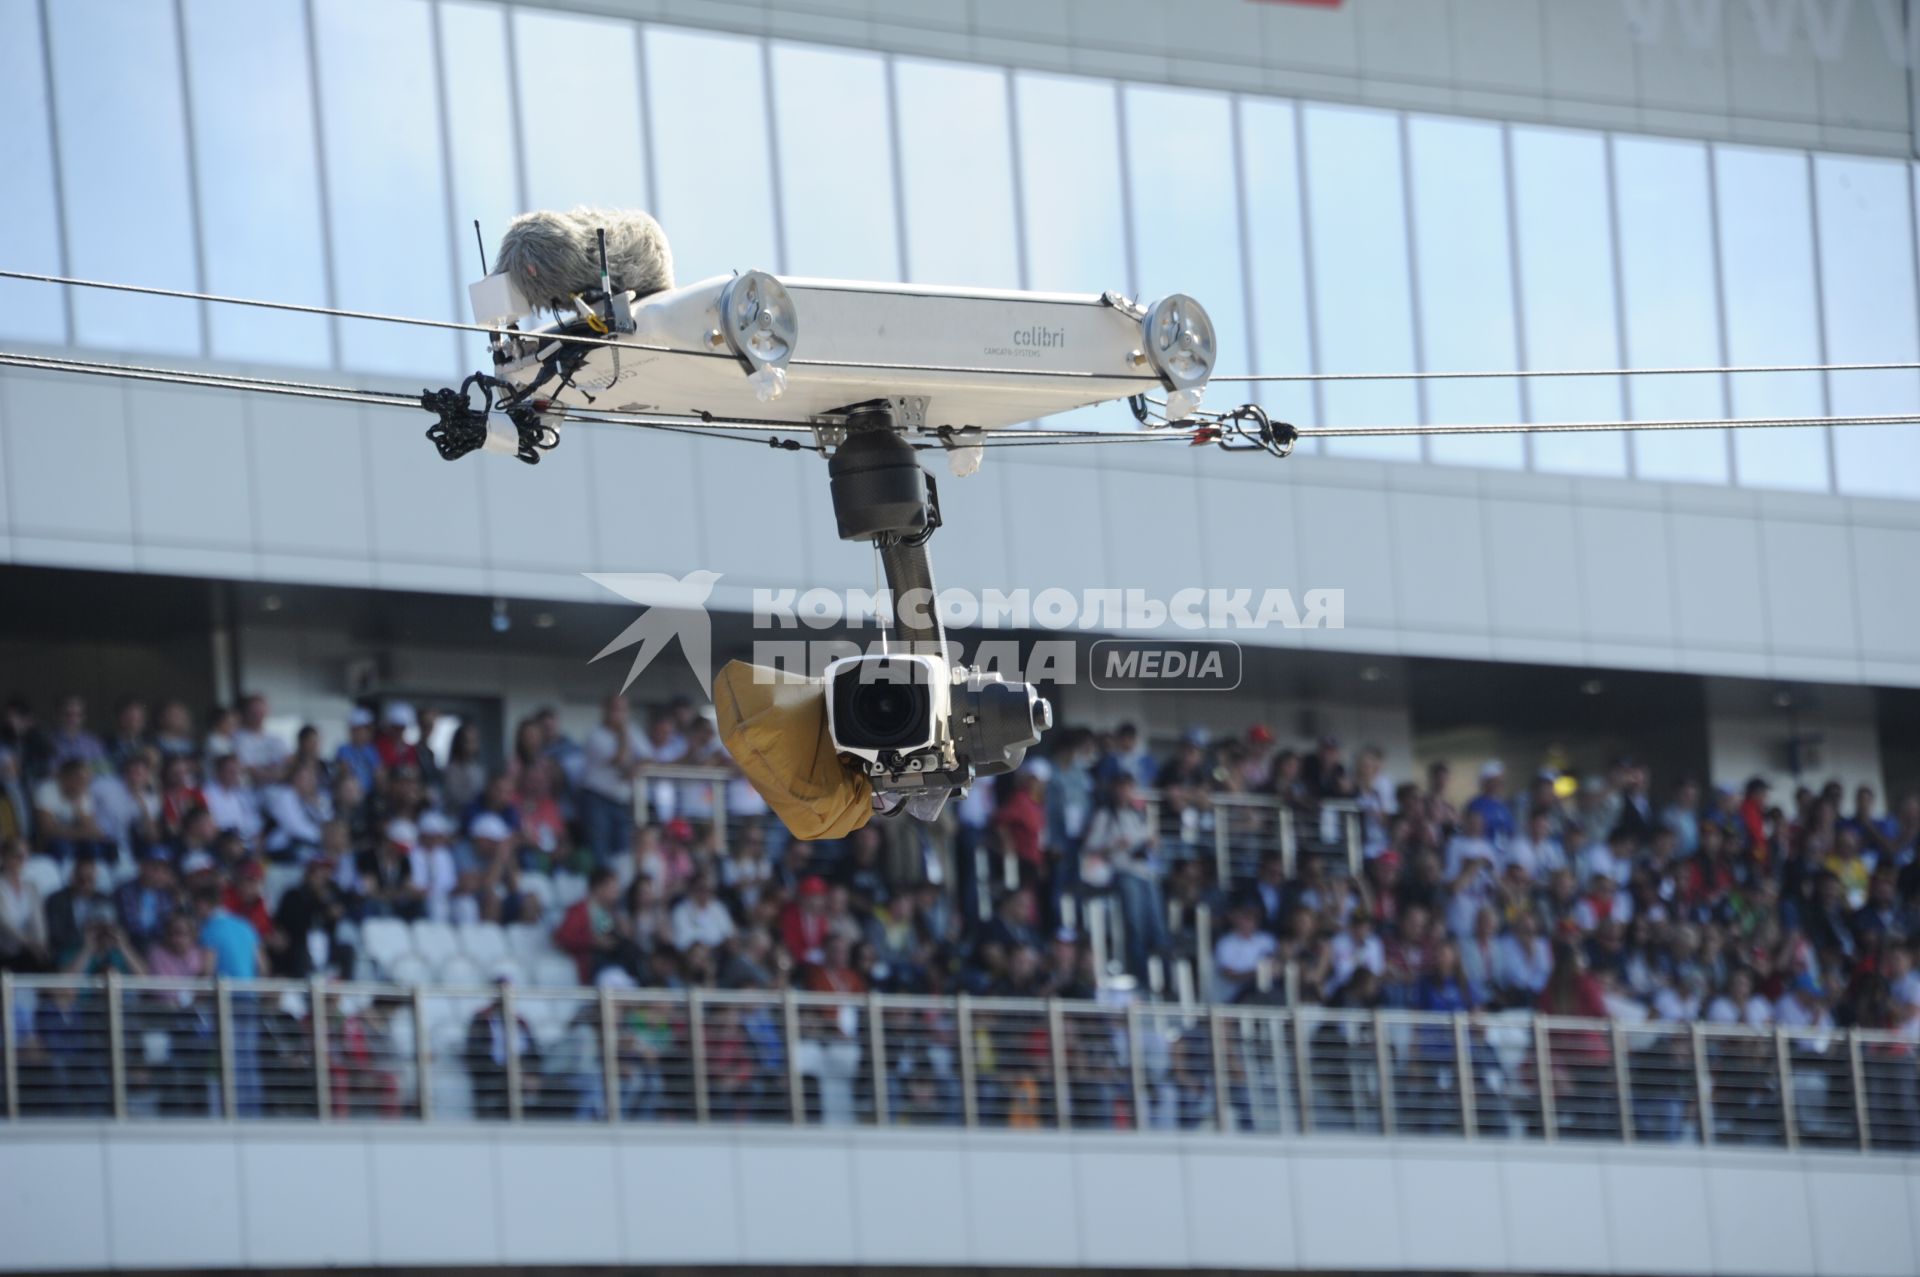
{"x": 775, "y": 726}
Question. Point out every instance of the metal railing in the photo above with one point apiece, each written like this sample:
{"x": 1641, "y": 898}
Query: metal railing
{"x": 1237, "y": 831}
{"x": 152, "y": 1049}
{"x": 662, "y": 791}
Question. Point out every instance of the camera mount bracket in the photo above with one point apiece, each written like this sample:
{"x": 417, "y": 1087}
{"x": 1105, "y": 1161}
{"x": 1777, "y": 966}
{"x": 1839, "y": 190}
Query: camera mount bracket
{"x": 883, "y": 496}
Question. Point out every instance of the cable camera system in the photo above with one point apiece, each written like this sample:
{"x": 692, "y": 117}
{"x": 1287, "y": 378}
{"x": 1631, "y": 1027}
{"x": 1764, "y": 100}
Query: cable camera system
{"x": 872, "y": 374}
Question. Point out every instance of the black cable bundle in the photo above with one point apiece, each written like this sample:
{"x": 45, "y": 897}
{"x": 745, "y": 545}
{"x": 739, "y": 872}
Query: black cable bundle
{"x": 461, "y": 428}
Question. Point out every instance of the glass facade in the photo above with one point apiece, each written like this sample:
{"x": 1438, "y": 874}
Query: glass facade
{"x": 266, "y": 236}
{"x": 1772, "y": 302}
{"x": 1463, "y": 280}
{"x": 29, "y": 204}
{"x": 835, "y": 155}
{"x": 1669, "y": 304}
{"x": 278, "y": 151}
{"x": 1363, "y": 289}
{"x": 1569, "y": 306}
{"x": 386, "y": 180}
{"x": 1865, "y": 243}
{"x": 125, "y": 171}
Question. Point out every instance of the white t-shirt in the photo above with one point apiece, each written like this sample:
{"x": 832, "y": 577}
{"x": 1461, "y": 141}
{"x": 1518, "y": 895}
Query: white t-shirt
{"x": 1672, "y": 1004}
{"x": 1790, "y": 1011}
{"x": 1540, "y": 859}
{"x": 746, "y": 875}
{"x": 1350, "y": 955}
{"x": 1475, "y": 894}
{"x": 236, "y": 809}
{"x": 1758, "y": 1013}
{"x": 693, "y": 924}
{"x": 260, "y": 751}
{"x": 296, "y": 820}
{"x": 436, "y": 873}
{"x": 1461, "y": 849}
{"x": 1118, "y": 833}
{"x": 1234, "y": 952}
{"x": 1523, "y": 965}
{"x": 23, "y": 917}
{"x": 601, "y": 775}
{"x": 663, "y": 796}
{"x": 119, "y": 807}
{"x": 1599, "y": 859}
{"x": 48, "y": 798}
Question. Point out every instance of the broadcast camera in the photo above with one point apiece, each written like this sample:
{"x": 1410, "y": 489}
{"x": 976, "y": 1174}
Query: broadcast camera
{"x": 910, "y": 721}
{"x": 915, "y": 722}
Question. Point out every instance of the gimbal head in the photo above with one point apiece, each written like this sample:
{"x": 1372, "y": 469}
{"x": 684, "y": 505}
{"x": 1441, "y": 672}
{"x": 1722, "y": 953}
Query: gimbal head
{"x": 916, "y": 725}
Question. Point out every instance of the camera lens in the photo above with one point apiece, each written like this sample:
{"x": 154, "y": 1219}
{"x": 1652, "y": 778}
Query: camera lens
{"x": 886, "y": 715}
{"x": 882, "y": 704}
{"x": 883, "y": 713}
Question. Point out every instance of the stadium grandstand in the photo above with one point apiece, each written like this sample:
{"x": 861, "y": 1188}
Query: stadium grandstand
{"x": 1239, "y": 871}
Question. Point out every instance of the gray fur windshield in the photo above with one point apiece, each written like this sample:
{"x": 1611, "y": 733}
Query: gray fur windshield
{"x": 551, "y": 256}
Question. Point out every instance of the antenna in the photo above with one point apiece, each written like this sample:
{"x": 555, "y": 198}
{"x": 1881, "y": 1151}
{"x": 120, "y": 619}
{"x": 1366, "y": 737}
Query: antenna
{"x": 481, "y": 244}
{"x": 618, "y": 311}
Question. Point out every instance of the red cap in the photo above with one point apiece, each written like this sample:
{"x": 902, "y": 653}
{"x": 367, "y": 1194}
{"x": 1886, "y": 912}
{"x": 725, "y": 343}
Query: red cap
{"x": 680, "y": 829}
{"x": 1260, "y": 734}
{"x": 813, "y": 885}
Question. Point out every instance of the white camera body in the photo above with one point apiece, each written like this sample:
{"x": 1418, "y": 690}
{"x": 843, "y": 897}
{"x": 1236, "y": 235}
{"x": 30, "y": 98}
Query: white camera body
{"x": 956, "y": 726}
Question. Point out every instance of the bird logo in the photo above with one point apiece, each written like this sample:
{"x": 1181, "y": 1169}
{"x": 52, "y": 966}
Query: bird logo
{"x": 676, "y": 607}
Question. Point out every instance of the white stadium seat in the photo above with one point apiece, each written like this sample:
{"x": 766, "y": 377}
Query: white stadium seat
{"x": 386, "y": 941}
{"x": 458, "y": 969}
{"x": 406, "y": 1069}
{"x": 541, "y": 888}
{"x": 568, "y": 887}
{"x": 530, "y": 941}
{"x": 555, "y": 972}
{"x": 409, "y": 968}
{"x": 434, "y": 941}
{"x": 548, "y": 1018}
{"x": 484, "y": 942}
{"x": 448, "y": 1083}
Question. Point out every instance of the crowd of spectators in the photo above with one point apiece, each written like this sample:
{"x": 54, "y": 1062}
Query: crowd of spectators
{"x": 1597, "y": 895}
